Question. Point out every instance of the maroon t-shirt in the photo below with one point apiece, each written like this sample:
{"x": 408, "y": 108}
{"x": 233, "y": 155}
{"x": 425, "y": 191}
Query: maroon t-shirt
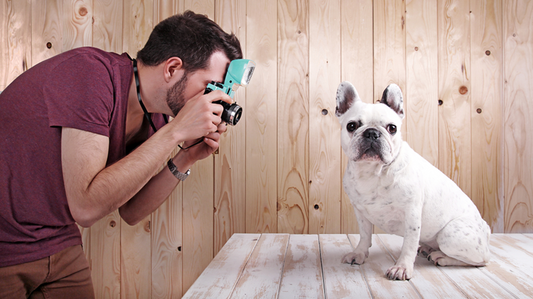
{"x": 84, "y": 88}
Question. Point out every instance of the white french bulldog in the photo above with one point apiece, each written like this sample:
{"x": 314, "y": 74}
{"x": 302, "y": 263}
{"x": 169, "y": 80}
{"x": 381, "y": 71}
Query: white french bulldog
{"x": 394, "y": 188}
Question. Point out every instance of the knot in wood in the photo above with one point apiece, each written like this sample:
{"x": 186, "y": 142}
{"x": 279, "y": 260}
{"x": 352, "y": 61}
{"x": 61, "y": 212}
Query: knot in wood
{"x": 147, "y": 226}
{"x": 83, "y": 11}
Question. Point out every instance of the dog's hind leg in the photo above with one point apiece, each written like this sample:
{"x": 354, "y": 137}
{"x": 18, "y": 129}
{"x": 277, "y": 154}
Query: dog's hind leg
{"x": 425, "y": 250}
{"x": 440, "y": 259}
{"x": 463, "y": 242}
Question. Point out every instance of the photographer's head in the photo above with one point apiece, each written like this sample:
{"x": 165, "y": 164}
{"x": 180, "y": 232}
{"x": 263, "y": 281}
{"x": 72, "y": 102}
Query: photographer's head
{"x": 191, "y": 37}
{"x": 192, "y": 83}
{"x": 197, "y": 47}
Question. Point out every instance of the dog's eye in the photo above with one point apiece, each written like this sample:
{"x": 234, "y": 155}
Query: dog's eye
{"x": 352, "y": 126}
{"x": 392, "y": 129}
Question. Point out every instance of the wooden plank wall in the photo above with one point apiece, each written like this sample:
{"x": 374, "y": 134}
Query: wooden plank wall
{"x": 465, "y": 67}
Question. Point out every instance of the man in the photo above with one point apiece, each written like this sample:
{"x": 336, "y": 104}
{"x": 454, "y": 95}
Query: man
{"x": 76, "y": 145}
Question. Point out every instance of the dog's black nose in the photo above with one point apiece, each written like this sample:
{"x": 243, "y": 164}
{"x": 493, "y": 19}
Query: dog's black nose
{"x": 372, "y": 134}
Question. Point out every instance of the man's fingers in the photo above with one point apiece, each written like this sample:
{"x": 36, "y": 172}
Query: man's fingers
{"x": 219, "y": 95}
{"x": 211, "y": 143}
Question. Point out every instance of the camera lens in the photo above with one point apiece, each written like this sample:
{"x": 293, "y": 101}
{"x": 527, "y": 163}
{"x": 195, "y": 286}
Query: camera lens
{"x": 231, "y": 114}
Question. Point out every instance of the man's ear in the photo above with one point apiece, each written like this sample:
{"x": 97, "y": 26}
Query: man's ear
{"x": 173, "y": 67}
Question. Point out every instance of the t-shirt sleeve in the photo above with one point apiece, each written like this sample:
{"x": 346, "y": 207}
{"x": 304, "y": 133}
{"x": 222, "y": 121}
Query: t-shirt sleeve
{"x": 79, "y": 94}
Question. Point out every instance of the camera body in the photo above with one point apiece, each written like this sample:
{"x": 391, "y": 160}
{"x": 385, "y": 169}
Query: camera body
{"x": 239, "y": 74}
{"x": 232, "y": 113}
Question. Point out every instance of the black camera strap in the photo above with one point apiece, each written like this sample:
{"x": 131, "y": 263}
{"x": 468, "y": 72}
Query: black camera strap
{"x": 136, "y": 74}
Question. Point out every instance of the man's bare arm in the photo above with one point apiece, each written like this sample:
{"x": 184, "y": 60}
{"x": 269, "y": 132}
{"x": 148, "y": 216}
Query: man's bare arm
{"x": 94, "y": 190}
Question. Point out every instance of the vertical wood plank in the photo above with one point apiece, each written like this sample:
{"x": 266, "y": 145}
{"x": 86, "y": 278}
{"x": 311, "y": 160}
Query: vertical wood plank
{"x": 77, "y": 28}
{"x": 389, "y": 47}
{"x": 107, "y": 25}
{"x": 518, "y": 92}
{"x": 206, "y": 7}
{"x": 164, "y": 9}
{"x": 167, "y": 240}
{"x": 487, "y": 125}
{"x": 197, "y": 221}
{"x": 15, "y": 34}
{"x": 261, "y": 118}
{"x": 324, "y": 134}
{"x": 105, "y": 257}
{"x": 198, "y": 195}
{"x": 421, "y": 116}
{"x": 137, "y": 25}
{"x": 357, "y": 66}
{"x": 47, "y": 26}
{"x": 230, "y": 162}
{"x": 293, "y": 117}
{"x": 454, "y": 92}
{"x": 357, "y": 46}
{"x": 389, "y": 51}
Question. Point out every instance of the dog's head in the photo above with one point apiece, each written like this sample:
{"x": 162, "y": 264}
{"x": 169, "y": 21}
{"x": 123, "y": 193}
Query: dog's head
{"x": 370, "y": 132}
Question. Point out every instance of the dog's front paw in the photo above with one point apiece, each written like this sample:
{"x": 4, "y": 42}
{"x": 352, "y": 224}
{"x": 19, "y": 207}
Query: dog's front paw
{"x": 354, "y": 258}
{"x": 398, "y": 272}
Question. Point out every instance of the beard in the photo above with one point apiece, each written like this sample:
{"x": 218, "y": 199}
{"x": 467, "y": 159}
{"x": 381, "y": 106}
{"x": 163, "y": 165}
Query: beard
{"x": 175, "y": 99}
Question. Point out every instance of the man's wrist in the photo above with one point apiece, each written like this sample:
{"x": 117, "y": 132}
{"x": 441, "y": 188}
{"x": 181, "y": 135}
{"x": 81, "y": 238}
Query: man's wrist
{"x": 174, "y": 170}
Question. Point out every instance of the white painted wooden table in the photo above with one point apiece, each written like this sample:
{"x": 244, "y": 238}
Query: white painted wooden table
{"x": 308, "y": 266}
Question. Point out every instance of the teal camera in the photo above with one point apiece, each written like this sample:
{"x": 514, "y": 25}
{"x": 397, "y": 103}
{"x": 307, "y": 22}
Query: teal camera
{"x": 239, "y": 74}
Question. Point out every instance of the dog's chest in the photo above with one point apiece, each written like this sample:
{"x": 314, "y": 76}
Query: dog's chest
{"x": 383, "y": 199}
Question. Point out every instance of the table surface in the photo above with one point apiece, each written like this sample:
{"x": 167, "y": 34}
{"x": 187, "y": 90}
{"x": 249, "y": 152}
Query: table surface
{"x": 309, "y": 266}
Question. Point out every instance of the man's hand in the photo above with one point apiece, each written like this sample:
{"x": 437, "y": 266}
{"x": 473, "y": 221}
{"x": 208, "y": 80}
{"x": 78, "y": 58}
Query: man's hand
{"x": 93, "y": 189}
{"x": 200, "y": 117}
{"x": 208, "y": 145}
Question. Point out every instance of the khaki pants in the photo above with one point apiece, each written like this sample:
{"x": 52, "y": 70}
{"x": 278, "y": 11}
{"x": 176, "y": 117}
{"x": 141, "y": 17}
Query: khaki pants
{"x": 63, "y": 275}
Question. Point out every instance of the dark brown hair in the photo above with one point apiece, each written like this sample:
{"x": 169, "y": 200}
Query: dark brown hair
{"x": 191, "y": 37}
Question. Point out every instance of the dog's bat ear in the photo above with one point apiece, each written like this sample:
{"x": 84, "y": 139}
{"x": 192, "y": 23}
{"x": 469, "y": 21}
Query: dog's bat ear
{"x": 346, "y": 96}
{"x": 392, "y": 97}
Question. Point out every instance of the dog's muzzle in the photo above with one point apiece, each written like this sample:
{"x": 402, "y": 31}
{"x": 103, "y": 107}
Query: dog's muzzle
{"x": 370, "y": 146}
{"x": 372, "y": 134}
